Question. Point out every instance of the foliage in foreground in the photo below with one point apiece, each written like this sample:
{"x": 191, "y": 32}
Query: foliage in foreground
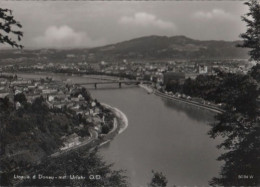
{"x": 7, "y": 24}
{"x": 251, "y": 38}
{"x": 241, "y": 128}
{"x": 158, "y": 180}
{"x": 241, "y": 145}
{"x": 97, "y": 173}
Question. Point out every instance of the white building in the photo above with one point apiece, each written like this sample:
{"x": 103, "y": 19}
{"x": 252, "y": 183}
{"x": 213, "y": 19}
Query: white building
{"x": 203, "y": 69}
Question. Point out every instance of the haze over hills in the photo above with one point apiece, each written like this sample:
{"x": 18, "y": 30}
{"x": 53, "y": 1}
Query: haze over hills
{"x": 144, "y": 48}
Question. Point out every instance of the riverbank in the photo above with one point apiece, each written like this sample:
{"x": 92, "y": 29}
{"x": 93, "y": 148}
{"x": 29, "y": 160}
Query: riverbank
{"x": 95, "y": 138}
{"x": 120, "y": 124}
{"x": 164, "y": 95}
{"x": 204, "y": 106}
{"x": 121, "y": 117}
{"x": 147, "y": 88}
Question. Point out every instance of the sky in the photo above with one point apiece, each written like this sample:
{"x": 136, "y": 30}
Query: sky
{"x": 80, "y": 24}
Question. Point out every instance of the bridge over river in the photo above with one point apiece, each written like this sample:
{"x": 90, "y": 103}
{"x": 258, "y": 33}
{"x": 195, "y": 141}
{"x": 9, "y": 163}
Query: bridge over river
{"x": 119, "y": 82}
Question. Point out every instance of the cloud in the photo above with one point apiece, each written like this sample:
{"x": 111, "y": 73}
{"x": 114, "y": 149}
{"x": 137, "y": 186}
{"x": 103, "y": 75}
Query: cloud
{"x": 213, "y": 14}
{"x": 144, "y": 19}
{"x": 65, "y": 37}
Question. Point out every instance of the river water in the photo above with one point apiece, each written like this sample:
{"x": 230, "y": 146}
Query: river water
{"x": 162, "y": 135}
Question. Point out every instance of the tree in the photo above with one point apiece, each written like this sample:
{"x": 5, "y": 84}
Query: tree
{"x": 188, "y": 87}
{"x": 173, "y": 86}
{"x": 158, "y": 180}
{"x": 7, "y": 22}
{"x": 97, "y": 172}
{"x": 255, "y": 72}
{"x": 81, "y": 91}
{"x": 252, "y": 36}
{"x": 39, "y": 105}
{"x": 20, "y": 97}
{"x": 4, "y": 104}
{"x": 239, "y": 92}
{"x": 239, "y": 124}
{"x": 242, "y": 142}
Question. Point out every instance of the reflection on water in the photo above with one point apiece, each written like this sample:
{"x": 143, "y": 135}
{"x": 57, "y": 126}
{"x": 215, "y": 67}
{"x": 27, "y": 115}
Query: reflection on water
{"x": 196, "y": 113}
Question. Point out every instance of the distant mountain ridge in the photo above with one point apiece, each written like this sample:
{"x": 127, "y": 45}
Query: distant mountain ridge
{"x": 144, "y": 48}
{"x": 179, "y": 47}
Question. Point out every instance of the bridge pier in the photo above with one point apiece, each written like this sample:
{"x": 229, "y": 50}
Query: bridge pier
{"x": 119, "y": 84}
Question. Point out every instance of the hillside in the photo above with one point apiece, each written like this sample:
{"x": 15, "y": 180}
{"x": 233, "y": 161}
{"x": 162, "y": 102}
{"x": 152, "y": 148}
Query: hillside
{"x": 144, "y": 48}
{"x": 176, "y": 47}
{"x": 34, "y": 131}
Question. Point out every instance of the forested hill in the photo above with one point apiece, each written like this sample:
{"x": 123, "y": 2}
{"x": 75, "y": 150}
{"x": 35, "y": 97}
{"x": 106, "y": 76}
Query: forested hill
{"x": 144, "y": 48}
{"x": 176, "y": 47}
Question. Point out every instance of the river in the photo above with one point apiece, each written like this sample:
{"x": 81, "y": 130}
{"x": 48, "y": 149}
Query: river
{"x": 162, "y": 135}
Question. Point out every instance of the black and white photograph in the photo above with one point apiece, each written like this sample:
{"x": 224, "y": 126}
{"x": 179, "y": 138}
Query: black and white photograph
{"x": 153, "y": 93}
